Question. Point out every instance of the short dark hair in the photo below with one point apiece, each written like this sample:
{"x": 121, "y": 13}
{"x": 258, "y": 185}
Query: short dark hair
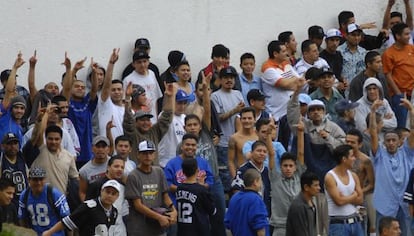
{"x": 191, "y": 117}
{"x": 396, "y": 14}
{"x": 116, "y": 81}
{"x": 288, "y": 156}
{"x": 123, "y": 138}
{"x": 284, "y": 37}
{"x": 5, "y": 183}
{"x": 370, "y": 56}
{"x": 249, "y": 176}
{"x": 356, "y": 132}
{"x": 257, "y": 144}
{"x": 219, "y": 50}
{"x": 274, "y": 46}
{"x": 189, "y": 166}
{"x": 344, "y": 16}
{"x": 307, "y": 178}
{"x": 261, "y": 122}
{"x": 246, "y": 110}
{"x": 53, "y": 129}
{"x": 114, "y": 158}
{"x": 305, "y": 46}
{"x": 385, "y": 223}
{"x": 189, "y": 136}
{"x": 180, "y": 63}
{"x": 58, "y": 98}
{"x": 340, "y": 152}
{"x": 398, "y": 29}
{"x": 245, "y": 56}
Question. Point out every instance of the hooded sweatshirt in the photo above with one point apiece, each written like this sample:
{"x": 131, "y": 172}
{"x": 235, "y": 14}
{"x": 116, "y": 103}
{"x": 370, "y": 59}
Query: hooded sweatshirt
{"x": 364, "y": 108}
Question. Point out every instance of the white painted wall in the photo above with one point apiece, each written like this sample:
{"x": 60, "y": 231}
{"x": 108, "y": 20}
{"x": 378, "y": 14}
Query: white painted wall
{"x": 93, "y": 27}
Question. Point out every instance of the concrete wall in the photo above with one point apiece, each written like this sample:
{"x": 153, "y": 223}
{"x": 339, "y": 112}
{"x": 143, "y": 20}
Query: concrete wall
{"x": 93, "y": 27}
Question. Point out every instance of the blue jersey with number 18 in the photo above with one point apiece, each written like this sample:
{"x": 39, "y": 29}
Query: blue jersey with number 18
{"x": 40, "y": 214}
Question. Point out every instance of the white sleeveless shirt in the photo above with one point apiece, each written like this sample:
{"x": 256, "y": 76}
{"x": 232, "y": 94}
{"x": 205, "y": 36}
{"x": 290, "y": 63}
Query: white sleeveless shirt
{"x": 345, "y": 190}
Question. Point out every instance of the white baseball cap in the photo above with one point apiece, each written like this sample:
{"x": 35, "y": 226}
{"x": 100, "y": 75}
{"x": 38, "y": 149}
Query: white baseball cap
{"x": 331, "y": 33}
{"x": 112, "y": 183}
{"x": 316, "y": 103}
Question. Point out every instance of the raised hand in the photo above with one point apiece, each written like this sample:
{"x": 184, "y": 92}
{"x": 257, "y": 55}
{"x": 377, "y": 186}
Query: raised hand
{"x": 110, "y": 124}
{"x": 377, "y": 103}
{"x": 170, "y": 89}
{"x": 129, "y": 90}
{"x": 94, "y": 65}
{"x": 79, "y": 64}
{"x": 19, "y": 61}
{"x": 206, "y": 79}
{"x": 406, "y": 103}
{"x": 67, "y": 63}
{"x": 33, "y": 60}
{"x": 114, "y": 56}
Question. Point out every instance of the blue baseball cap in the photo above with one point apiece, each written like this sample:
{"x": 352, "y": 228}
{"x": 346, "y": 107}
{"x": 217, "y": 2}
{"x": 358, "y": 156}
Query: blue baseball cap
{"x": 344, "y": 105}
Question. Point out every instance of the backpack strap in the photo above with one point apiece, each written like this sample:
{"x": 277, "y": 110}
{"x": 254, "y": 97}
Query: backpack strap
{"x": 25, "y": 199}
{"x": 51, "y": 201}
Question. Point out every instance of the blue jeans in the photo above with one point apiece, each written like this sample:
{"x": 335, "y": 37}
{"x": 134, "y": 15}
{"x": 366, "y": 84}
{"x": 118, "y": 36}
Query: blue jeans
{"x": 354, "y": 229}
{"x": 217, "y": 221}
{"x": 402, "y": 218}
{"x": 224, "y": 167}
{"x": 400, "y": 111}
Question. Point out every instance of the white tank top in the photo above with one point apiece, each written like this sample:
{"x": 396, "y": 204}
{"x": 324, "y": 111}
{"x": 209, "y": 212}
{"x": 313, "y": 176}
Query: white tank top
{"x": 345, "y": 190}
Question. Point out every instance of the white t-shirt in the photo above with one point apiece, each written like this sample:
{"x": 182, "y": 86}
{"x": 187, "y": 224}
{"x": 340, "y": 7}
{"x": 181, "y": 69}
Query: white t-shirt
{"x": 68, "y": 126}
{"x": 276, "y": 102}
{"x": 107, "y": 110}
{"x": 129, "y": 166}
{"x": 302, "y": 66}
{"x": 167, "y": 148}
{"x": 152, "y": 89}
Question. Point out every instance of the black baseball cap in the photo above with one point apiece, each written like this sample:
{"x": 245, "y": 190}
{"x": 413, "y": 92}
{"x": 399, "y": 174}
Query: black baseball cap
{"x": 255, "y": 94}
{"x": 228, "y": 71}
{"x": 324, "y": 71}
{"x": 140, "y": 54}
{"x": 9, "y": 137}
{"x": 142, "y": 43}
{"x": 316, "y": 31}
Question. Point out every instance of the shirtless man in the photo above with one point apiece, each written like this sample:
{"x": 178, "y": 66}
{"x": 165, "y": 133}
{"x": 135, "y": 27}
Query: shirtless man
{"x": 237, "y": 140}
{"x": 365, "y": 172}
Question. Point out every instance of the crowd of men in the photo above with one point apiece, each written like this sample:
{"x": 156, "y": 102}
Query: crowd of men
{"x": 317, "y": 145}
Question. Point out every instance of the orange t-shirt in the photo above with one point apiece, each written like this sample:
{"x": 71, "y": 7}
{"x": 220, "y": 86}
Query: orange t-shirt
{"x": 400, "y": 62}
